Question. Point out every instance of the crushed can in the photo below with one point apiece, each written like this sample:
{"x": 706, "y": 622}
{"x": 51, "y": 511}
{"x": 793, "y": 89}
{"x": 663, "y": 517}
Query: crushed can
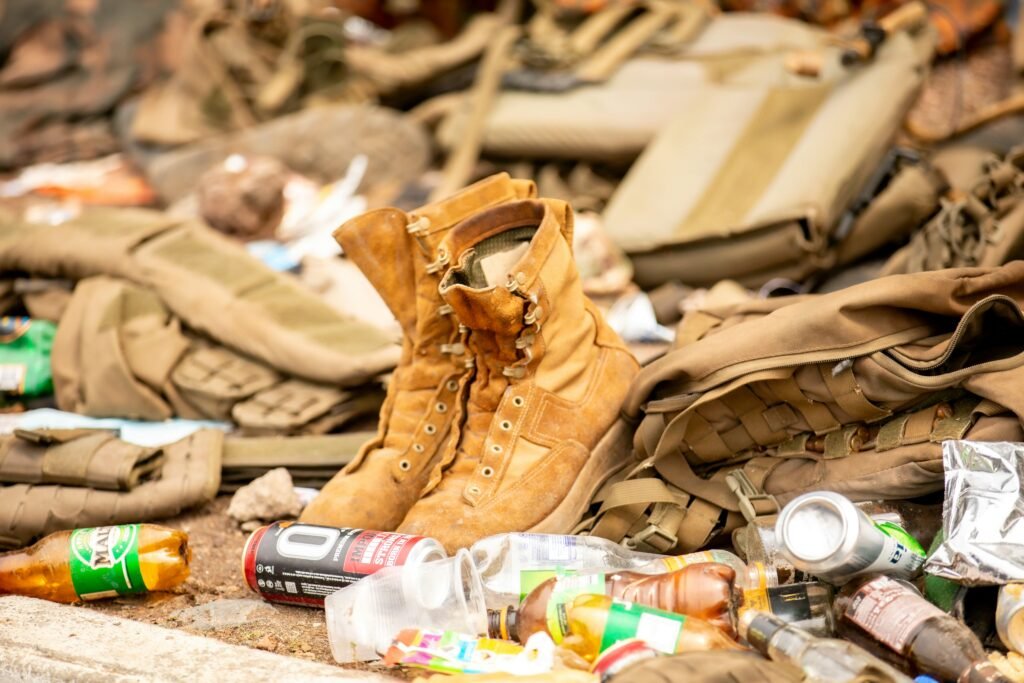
{"x": 301, "y": 564}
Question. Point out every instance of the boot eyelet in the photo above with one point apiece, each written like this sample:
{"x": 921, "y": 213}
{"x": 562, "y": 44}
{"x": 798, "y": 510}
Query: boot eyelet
{"x": 452, "y": 385}
{"x": 473, "y": 490}
{"x": 417, "y": 447}
{"x": 441, "y": 407}
{"x": 506, "y": 425}
{"x": 518, "y": 401}
{"x": 430, "y": 429}
{"x": 487, "y": 472}
{"x": 405, "y": 465}
{"x": 496, "y": 448}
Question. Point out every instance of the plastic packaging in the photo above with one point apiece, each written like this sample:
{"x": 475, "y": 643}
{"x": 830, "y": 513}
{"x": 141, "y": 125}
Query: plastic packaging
{"x": 458, "y": 653}
{"x": 982, "y": 518}
{"x": 444, "y": 595}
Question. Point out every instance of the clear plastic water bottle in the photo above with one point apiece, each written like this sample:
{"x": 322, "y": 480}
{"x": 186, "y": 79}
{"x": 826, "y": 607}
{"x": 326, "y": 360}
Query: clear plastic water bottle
{"x": 511, "y": 565}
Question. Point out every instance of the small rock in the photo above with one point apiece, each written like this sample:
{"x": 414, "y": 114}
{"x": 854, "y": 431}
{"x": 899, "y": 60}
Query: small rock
{"x": 268, "y": 498}
{"x": 306, "y": 647}
{"x": 268, "y": 643}
{"x": 223, "y": 613}
{"x": 251, "y": 525}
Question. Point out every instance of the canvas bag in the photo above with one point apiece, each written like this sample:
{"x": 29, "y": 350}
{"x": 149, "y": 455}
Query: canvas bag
{"x": 751, "y": 179}
{"x": 851, "y": 391}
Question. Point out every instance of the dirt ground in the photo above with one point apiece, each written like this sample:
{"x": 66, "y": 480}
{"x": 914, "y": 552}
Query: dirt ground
{"x": 217, "y": 573}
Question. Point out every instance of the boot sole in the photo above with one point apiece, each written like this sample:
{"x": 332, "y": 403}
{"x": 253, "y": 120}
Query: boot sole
{"x": 610, "y": 455}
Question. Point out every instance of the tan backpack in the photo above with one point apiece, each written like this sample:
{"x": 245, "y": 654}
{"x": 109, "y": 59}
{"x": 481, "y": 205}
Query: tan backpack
{"x": 852, "y": 391}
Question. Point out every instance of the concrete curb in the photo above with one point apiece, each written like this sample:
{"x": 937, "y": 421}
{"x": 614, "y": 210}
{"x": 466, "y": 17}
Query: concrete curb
{"x": 45, "y": 641}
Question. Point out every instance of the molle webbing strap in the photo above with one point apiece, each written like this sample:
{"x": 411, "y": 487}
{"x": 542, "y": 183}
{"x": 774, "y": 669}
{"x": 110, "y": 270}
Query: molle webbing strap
{"x": 815, "y": 413}
{"x": 847, "y": 394}
{"x": 91, "y": 458}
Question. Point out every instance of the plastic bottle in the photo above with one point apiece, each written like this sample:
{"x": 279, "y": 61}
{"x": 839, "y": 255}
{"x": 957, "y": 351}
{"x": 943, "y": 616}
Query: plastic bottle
{"x": 822, "y": 660}
{"x": 597, "y": 622}
{"x": 893, "y": 620}
{"x": 89, "y": 564}
{"x": 443, "y": 595}
{"x": 705, "y": 590}
{"x": 805, "y": 605}
{"x": 511, "y": 565}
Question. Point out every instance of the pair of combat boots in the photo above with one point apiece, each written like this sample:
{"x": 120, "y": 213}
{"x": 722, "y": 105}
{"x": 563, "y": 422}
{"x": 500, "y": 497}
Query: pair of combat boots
{"x": 503, "y": 412}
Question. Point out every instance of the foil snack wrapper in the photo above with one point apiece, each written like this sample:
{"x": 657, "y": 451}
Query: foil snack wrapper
{"x": 983, "y": 514}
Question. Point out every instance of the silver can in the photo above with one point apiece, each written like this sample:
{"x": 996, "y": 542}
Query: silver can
{"x": 1010, "y": 616}
{"x": 827, "y": 536}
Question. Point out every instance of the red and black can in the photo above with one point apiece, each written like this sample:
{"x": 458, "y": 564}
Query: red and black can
{"x": 301, "y": 564}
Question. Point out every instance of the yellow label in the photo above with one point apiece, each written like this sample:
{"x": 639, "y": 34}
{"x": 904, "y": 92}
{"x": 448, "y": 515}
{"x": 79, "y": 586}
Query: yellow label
{"x": 679, "y": 561}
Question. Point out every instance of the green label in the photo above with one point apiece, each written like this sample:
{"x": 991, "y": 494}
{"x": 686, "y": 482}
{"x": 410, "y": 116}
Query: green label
{"x": 531, "y": 578}
{"x": 900, "y": 534}
{"x": 105, "y": 562}
{"x": 567, "y": 589}
{"x": 657, "y": 628}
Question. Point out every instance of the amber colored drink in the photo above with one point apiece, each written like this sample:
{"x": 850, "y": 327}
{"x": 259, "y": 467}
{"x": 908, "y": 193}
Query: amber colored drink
{"x": 89, "y": 564}
{"x": 706, "y": 591}
{"x": 597, "y": 622}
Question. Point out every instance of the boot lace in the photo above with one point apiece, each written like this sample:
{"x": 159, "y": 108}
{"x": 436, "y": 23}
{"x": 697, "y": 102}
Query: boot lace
{"x": 524, "y": 342}
{"x": 965, "y": 227}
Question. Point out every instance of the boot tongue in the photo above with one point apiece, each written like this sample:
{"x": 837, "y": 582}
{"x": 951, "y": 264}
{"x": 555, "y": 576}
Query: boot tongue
{"x": 494, "y": 258}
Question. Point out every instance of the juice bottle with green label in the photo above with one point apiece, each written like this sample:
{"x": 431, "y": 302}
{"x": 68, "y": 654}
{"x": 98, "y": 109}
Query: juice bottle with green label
{"x": 89, "y": 564}
{"x": 597, "y": 622}
{"x": 706, "y": 591}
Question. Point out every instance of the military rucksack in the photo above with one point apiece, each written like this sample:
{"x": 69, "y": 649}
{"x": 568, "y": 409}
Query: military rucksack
{"x": 769, "y": 173}
{"x": 852, "y": 391}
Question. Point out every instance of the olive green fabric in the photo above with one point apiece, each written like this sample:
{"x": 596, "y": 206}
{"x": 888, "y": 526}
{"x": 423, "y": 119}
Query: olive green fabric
{"x": 311, "y": 460}
{"x": 851, "y": 391}
{"x": 119, "y": 352}
{"x": 211, "y": 284}
{"x": 76, "y": 457}
{"x": 190, "y": 476}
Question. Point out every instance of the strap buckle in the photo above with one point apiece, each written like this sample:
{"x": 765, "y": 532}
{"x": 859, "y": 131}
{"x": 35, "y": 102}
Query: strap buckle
{"x": 653, "y": 537}
{"x": 753, "y": 501}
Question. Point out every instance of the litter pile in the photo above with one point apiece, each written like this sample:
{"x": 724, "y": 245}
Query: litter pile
{"x": 555, "y": 341}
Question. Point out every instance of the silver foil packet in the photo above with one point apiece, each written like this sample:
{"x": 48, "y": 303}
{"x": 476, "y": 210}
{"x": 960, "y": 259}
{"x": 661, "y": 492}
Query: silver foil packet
{"x": 982, "y": 515}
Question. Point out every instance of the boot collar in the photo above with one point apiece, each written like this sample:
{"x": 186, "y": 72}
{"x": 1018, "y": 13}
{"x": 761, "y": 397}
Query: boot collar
{"x": 554, "y": 221}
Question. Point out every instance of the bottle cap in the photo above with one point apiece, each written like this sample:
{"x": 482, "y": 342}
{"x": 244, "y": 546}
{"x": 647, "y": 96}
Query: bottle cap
{"x": 503, "y": 623}
{"x": 757, "y": 628}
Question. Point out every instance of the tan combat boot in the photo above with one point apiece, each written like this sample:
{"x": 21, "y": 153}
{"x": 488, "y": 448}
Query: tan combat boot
{"x": 396, "y": 252}
{"x": 541, "y": 431}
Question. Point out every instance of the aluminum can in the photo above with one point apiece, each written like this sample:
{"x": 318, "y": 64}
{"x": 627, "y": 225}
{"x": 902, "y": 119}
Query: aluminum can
{"x": 301, "y": 564}
{"x": 827, "y": 536}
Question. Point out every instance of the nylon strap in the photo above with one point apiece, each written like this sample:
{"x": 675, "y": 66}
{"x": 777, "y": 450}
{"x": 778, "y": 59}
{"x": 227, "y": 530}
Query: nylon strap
{"x": 816, "y": 414}
{"x": 848, "y": 394}
{"x": 604, "y": 61}
{"x": 751, "y": 411}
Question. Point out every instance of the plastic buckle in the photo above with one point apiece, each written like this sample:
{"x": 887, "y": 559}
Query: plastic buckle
{"x": 663, "y": 540}
{"x": 748, "y": 494}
